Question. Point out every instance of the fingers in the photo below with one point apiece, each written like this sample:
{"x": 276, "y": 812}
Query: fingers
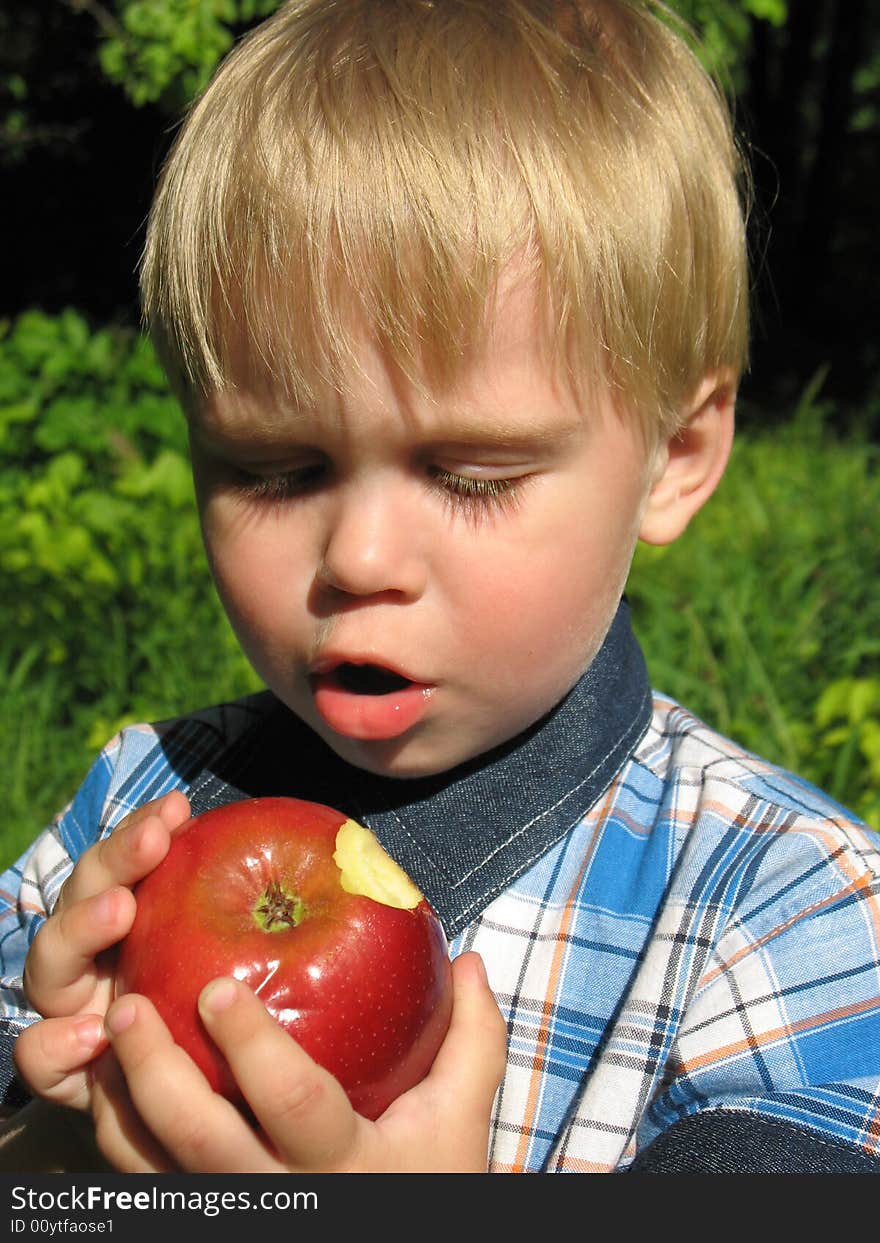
{"x": 307, "y": 1121}
{"x": 60, "y": 973}
{"x": 136, "y": 846}
{"x": 302, "y": 1108}
{"x": 52, "y": 1057}
{"x": 95, "y": 909}
{"x": 441, "y": 1124}
{"x": 121, "y": 1134}
{"x": 172, "y": 1115}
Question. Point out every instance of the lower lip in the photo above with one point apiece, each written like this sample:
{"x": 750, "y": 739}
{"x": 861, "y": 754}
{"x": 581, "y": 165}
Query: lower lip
{"x": 369, "y": 717}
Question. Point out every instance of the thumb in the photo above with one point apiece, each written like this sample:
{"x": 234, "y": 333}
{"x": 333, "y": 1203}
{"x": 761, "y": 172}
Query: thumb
{"x": 473, "y": 1055}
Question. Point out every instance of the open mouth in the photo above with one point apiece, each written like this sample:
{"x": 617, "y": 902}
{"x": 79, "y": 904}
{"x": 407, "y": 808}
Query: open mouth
{"x": 367, "y": 701}
{"x": 369, "y": 679}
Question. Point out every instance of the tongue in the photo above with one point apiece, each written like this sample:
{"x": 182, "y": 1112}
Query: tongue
{"x": 369, "y": 680}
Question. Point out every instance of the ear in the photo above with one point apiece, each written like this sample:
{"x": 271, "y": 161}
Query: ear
{"x": 691, "y": 462}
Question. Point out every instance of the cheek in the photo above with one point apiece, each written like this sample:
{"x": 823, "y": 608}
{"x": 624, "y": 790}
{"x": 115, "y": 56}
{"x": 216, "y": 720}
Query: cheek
{"x": 550, "y": 596}
{"x": 560, "y": 576}
{"x": 253, "y": 565}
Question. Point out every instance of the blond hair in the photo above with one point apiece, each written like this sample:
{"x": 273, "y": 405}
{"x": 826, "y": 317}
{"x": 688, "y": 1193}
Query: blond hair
{"x": 385, "y": 161}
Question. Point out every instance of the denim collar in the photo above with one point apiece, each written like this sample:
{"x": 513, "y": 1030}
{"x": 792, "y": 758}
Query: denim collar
{"x": 467, "y": 834}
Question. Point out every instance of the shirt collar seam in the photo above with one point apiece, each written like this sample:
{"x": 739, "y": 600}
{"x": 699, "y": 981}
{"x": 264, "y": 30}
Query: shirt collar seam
{"x": 622, "y": 743}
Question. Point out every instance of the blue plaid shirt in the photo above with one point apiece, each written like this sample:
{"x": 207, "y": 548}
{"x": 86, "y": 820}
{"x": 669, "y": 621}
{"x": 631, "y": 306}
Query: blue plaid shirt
{"x": 702, "y": 943}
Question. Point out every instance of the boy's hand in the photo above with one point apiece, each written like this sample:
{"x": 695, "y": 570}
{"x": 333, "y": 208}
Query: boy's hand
{"x": 155, "y": 1112}
{"x": 68, "y": 976}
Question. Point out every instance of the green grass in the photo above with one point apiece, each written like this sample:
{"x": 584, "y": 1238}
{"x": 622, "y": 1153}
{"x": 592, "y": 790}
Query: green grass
{"x": 764, "y": 618}
{"x": 51, "y": 730}
{"x": 107, "y": 612}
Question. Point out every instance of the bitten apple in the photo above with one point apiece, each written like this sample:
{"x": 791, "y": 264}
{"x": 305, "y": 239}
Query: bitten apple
{"x": 305, "y": 907}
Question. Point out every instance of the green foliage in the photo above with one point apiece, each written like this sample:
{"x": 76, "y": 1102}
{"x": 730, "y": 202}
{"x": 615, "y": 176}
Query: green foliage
{"x": 107, "y": 610}
{"x": 764, "y": 618}
{"x": 847, "y": 718}
{"x": 724, "y": 29}
{"x": 168, "y": 49}
{"x": 866, "y": 85}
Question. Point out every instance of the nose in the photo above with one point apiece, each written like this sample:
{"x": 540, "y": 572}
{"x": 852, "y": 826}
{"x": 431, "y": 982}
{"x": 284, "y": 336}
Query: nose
{"x": 372, "y": 545}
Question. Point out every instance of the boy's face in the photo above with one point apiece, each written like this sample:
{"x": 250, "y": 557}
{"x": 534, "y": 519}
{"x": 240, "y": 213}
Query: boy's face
{"x": 417, "y": 579}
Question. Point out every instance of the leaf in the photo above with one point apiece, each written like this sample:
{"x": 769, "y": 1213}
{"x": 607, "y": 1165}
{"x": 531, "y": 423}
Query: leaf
{"x": 168, "y": 477}
{"x": 104, "y": 514}
{"x": 833, "y": 703}
{"x": 19, "y": 412}
{"x": 71, "y": 422}
{"x": 773, "y": 11}
{"x": 870, "y": 747}
{"x": 853, "y": 700}
{"x": 34, "y": 338}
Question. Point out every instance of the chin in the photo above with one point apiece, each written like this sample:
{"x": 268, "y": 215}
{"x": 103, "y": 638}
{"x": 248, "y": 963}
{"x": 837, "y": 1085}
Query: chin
{"x": 426, "y": 750}
{"x": 397, "y": 758}
{"x": 411, "y": 758}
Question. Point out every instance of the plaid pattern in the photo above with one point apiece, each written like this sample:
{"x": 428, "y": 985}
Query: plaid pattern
{"x": 706, "y": 937}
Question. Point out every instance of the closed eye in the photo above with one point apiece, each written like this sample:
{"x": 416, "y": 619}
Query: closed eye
{"x": 477, "y": 495}
{"x": 282, "y": 486}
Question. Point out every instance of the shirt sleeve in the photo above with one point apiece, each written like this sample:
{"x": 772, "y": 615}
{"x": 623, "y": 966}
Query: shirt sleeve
{"x": 729, "y": 1141}
{"x": 781, "y": 1038}
{"x": 28, "y": 892}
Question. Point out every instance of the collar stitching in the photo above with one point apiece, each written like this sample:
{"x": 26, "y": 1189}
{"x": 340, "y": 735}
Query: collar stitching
{"x": 621, "y": 743}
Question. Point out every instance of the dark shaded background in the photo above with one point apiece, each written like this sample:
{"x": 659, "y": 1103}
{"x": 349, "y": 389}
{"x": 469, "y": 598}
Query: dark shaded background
{"x": 79, "y": 176}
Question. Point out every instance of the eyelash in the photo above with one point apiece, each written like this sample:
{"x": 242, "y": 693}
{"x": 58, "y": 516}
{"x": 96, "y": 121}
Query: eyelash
{"x": 274, "y": 489}
{"x": 474, "y": 496}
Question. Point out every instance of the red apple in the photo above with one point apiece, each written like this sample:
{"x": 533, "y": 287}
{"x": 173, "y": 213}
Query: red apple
{"x": 306, "y": 908}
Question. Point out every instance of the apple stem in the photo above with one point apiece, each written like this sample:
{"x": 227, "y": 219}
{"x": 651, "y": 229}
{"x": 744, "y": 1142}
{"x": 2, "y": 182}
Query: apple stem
{"x": 277, "y": 909}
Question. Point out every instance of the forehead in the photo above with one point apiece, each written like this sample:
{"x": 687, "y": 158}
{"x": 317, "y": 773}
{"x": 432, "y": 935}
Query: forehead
{"x": 509, "y": 385}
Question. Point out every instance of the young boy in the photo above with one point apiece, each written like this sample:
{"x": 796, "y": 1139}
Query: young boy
{"x": 453, "y": 293}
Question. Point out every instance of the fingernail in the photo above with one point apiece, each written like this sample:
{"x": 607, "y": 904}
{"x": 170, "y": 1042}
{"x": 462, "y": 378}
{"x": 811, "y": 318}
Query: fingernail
{"x": 217, "y": 996}
{"x": 89, "y": 1031}
{"x": 119, "y": 1017}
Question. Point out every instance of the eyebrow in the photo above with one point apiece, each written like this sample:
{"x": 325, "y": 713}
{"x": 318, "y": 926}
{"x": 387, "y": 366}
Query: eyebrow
{"x": 244, "y": 431}
{"x": 505, "y": 435}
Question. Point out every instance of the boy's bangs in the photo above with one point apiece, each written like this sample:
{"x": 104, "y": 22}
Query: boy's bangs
{"x": 378, "y": 166}
{"x": 289, "y": 276}
{"x": 325, "y": 201}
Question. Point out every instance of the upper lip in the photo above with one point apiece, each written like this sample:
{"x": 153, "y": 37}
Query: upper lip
{"x": 328, "y": 661}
